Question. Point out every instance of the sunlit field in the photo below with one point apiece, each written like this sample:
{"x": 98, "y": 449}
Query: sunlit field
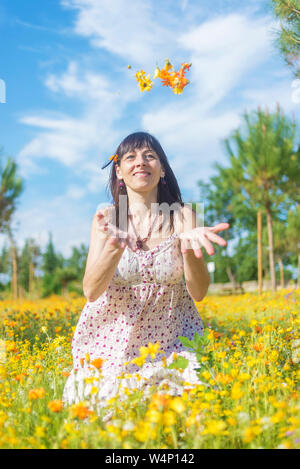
{"x": 249, "y": 397}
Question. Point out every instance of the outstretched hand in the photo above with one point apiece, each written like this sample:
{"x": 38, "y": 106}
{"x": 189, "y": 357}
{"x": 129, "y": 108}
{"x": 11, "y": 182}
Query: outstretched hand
{"x": 117, "y": 237}
{"x": 203, "y": 237}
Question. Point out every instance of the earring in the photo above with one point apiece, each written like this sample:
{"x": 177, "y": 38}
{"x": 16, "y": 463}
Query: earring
{"x": 163, "y": 181}
{"x": 121, "y": 184}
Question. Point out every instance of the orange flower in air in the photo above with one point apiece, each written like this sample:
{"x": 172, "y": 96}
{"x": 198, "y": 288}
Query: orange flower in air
{"x": 169, "y": 77}
{"x": 166, "y": 78}
{"x": 180, "y": 81}
{"x": 55, "y": 406}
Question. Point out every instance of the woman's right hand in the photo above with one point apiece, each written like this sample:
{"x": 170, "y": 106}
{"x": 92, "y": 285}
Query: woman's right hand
{"x": 116, "y": 237}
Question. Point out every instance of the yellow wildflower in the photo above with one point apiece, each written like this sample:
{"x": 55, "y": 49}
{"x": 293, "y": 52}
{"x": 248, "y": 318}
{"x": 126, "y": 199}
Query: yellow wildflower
{"x": 177, "y": 405}
{"x": 169, "y": 418}
{"x": 153, "y": 349}
{"x": 39, "y": 431}
{"x": 153, "y": 416}
{"x": 236, "y": 391}
{"x": 144, "y": 81}
{"x": 214, "y": 427}
{"x": 251, "y": 432}
{"x": 139, "y": 361}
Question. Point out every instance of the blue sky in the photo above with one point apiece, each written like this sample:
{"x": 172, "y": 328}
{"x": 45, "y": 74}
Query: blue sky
{"x": 70, "y": 98}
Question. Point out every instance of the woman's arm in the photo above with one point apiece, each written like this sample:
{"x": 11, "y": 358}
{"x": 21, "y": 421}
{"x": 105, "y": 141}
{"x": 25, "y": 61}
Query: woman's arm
{"x": 100, "y": 273}
{"x": 195, "y": 270}
{"x": 102, "y": 261}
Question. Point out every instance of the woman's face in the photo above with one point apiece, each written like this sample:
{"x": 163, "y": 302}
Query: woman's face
{"x": 140, "y": 169}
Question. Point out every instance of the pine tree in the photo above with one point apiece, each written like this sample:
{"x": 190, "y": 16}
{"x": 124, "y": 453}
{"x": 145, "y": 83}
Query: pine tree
{"x": 219, "y": 204}
{"x": 5, "y": 267}
{"x": 293, "y": 235}
{"x": 24, "y": 267}
{"x": 50, "y": 259}
{"x": 51, "y": 262}
{"x": 11, "y": 187}
{"x": 263, "y": 165}
{"x": 28, "y": 262}
{"x": 288, "y": 39}
{"x": 77, "y": 261}
{"x": 280, "y": 245}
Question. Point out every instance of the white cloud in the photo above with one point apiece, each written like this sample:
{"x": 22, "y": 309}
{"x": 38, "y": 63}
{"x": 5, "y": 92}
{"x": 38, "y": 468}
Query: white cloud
{"x": 222, "y": 51}
{"x": 67, "y": 141}
{"x": 84, "y": 86}
{"x": 75, "y": 192}
{"x": 136, "y": 31}
{"x": 271, "y": 94}
{"x": 79, "y": 143}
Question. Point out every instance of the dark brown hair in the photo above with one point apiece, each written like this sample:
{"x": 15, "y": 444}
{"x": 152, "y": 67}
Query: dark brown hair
{"x": 169, "y": 192}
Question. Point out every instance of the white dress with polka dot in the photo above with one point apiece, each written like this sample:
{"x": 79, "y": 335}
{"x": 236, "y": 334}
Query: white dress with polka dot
{"x": 146, "y": 301}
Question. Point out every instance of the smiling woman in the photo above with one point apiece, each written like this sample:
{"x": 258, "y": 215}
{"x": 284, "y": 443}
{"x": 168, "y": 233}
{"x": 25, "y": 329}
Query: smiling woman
{"x": 137, "y": 299}
{"x": 140, "y": 152}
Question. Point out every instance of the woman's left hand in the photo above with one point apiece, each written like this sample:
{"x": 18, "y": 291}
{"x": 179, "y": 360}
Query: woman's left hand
{"x": 203, "y": 237}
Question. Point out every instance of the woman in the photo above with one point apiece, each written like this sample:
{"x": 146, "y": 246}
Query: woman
{"x": 136, "y": 294}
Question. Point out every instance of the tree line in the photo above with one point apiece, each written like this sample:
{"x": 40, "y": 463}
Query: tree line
{"x": 262, "y": 176}
{"x": 29, "y": 272}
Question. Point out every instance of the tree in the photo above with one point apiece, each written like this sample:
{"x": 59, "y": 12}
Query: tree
{"x": 24, "y": 267}
{"x": 222, "y": 204}
{"x": 262, "y": 164}
{"x": 244, "y": 258}
{"x": 11, "y": 187}
{"x": 280, "y": 245}
{"x": 65, "y": 275}
{"x": 293, "y": 235}
{"x": 28, "y": 262}
{"x": 34, "y": 257}
{"x": 51, "y": 262}
{"x": 50, "y": 259}
{"x": 77, "y": 260}
{"x": 288, "y": 39}
{"x": 4, "y": 266}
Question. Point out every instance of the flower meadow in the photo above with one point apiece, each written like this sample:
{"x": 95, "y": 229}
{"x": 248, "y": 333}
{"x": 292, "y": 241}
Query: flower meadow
{"x": 249, "y": 369}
